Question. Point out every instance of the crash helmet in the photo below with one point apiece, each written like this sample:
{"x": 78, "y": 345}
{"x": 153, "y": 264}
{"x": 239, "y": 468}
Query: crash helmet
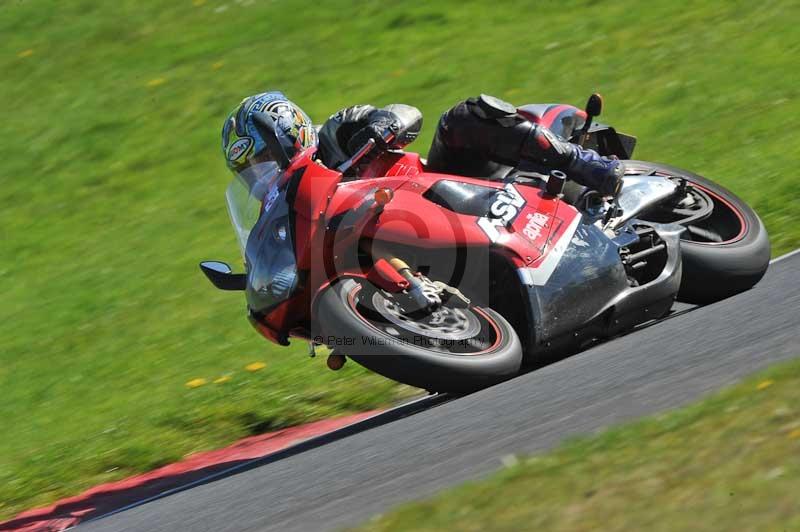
{"x": 243, "y": 145}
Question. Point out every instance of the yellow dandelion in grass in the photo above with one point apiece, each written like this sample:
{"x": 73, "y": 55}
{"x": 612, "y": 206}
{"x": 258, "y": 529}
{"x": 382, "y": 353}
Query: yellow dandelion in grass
{"x": 763, "y": 385}
{"x": 795, "y": 434}
{"x": 196, "y": 383}
{"x": 218, "y": 65}
{"x": 223, "y": 379}
{"x": 255, "y": 366}
{"x": 25, "y": 53}
{"x": 156, "y": 82}
{"x": 198, "y": 3}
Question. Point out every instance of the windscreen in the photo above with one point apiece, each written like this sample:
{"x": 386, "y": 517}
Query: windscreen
{"x": 260, "y": 215}
{"x": 245, "y": 195}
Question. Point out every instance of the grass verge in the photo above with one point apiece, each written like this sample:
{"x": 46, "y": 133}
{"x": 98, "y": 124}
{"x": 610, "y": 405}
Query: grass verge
{"x": 729, "y": 462}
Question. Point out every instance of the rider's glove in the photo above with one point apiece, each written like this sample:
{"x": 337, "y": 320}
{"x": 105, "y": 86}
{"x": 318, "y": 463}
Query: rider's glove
{"x": 614, "y": 185}
{"x": 582, "y": 165}
{"x": 382, "y": 125}
{"x": 603, "y": 174}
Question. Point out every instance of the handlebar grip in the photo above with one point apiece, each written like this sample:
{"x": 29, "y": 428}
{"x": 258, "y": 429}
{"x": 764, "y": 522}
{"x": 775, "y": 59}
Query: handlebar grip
{"x": 365, "y": 149}
{"x": 388, "y": 136}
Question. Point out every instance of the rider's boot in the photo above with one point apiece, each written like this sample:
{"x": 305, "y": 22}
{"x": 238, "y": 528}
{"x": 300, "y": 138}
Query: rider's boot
{"x": 582, "y": 165}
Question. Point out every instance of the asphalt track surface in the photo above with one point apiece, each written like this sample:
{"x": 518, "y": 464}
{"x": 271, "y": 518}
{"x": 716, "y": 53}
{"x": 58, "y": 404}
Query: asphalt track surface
{"x": 413, "y": 453}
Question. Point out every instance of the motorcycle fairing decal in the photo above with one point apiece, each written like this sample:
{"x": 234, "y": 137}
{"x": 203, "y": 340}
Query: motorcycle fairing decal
{"x": 540, "y": 274}
{"x": 540, "y": 223}
{"x": 540, "y": 228}
{"x": 272, "y": 195}
{"x": 504, "y": 211}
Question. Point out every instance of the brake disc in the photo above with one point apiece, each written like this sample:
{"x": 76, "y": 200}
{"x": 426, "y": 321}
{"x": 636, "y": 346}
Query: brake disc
{"x": 443, "y": 323}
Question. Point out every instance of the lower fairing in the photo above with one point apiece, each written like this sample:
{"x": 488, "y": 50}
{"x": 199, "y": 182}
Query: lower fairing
{"x": 589, "y": 295}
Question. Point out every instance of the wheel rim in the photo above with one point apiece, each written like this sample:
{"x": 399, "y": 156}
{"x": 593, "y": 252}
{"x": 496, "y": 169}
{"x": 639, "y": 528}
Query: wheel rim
{"x": 731, "y": 223}
{"x": 469, "y": 332}
{"x": 724, "y": 224}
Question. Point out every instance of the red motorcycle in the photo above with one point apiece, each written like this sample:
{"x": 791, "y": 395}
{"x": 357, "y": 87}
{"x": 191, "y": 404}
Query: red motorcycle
{"x": 451, "y": 283}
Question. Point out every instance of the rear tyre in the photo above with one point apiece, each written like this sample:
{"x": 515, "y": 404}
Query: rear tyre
{"x": 455, "y": 350}
{"x": 725, "y": 252}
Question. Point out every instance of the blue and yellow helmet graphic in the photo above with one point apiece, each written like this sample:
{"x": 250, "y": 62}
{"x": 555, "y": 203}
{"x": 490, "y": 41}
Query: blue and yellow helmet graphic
{"x": 241, "y": 141}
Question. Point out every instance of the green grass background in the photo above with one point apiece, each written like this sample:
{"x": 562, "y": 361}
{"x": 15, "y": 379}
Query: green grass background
{"x": 112, "y": 182}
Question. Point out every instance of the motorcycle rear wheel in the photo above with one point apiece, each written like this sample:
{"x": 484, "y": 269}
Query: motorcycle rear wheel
{"x": 723, "y": 254}
{"x": 458, "y": 350}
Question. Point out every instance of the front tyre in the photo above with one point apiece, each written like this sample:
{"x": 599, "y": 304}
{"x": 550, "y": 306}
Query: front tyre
{"x": 725, "y": 248}
{"x": 450, "y": 350}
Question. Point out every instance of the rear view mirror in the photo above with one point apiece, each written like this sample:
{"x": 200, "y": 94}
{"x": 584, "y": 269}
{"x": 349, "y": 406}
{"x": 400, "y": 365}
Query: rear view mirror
{"x": 222, "y": 277}
{"x": 594, "y": 106}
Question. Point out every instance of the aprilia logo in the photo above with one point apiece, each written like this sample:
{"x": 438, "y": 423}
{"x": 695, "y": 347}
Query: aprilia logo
{"x": 536, "y": 224}
{"x": 503, "y": 211}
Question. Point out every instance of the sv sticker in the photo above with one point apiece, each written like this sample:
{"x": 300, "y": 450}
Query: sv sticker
{"x": 503, "y": 211}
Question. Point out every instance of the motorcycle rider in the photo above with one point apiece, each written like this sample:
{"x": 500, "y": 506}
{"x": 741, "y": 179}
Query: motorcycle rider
{"x": 478, "y": 137}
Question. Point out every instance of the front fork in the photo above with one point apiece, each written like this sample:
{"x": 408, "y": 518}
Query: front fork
{"x": 414, "y": 292}
{"x": 419, "y": 292}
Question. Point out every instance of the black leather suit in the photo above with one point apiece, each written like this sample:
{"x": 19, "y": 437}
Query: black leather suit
{"x": 479, "y": 137}
{"x": 349, "y": 129}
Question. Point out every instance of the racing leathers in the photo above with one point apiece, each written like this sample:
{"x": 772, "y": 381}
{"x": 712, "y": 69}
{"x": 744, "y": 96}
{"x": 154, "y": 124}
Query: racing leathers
{"x": 480, "y": 137}
{"x": 485, "y": 137}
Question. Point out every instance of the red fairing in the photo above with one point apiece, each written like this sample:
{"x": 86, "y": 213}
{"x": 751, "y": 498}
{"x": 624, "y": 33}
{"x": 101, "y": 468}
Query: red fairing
{"x": 271, "y": 326}
{"x": 333, "y": 216}
{"x": 316, "y": 188}
{"x": 540, "y": 225}
{"x": 413, "y": 220}
{"x": 394, "y": 164}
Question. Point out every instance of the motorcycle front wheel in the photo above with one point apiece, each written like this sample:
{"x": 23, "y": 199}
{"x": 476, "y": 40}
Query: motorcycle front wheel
{"x": 449, "y": 350}
{"x": 725, "y": 248}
